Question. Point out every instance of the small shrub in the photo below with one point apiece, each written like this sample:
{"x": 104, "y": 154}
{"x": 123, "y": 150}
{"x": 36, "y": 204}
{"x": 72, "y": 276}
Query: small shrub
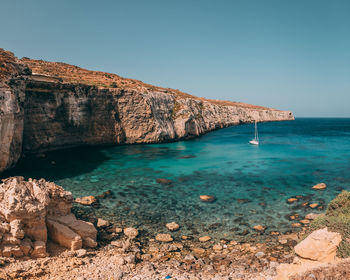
{"x": 113, "y": 85}
{"x": 177, "y": 107}
{"x": 343, "y": 249}
{"x": 341, "y": 204}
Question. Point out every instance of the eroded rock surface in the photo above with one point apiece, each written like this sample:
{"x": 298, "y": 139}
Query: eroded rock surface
{"x": 13, "y": 74}
{"x": 33, "y": 211}
{"x": 320, "y": 245}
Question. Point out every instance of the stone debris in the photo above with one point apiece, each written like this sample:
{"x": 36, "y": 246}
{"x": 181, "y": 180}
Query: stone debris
{"x": 217, "y": 247}
{"x": 172, "y": 226}
{"x": 118, "y": 230}
{"x": 64, "y": 236}
{"x": 164, "y": 237}
{"x": 296, "y": 225}
{"x": 204, "y": 238}
{"x": 102, "y": 223}
{"x": 131, "y": 232}
{"x": 33, "y": 210}
{"x": 87, "y": 200}
{"x": 305, "y": 221}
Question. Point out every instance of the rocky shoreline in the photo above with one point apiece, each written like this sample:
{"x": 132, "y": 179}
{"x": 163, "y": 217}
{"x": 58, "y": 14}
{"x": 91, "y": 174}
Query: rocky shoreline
{"x": 42, "y": 239}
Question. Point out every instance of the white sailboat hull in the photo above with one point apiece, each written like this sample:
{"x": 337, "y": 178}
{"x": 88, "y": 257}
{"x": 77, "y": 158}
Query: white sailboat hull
{"x": 255, "y": 141}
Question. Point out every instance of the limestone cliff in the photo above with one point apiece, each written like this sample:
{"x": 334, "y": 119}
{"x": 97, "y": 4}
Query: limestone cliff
{"x": 67, "y": 106}
{"x": 12, "y": 95}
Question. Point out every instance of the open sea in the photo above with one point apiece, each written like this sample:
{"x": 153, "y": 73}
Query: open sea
{"x": 251, "y": 183}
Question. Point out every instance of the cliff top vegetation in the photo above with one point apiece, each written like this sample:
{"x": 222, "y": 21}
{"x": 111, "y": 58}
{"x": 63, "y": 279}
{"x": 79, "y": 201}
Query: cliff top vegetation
{"x": 74, "y": 74}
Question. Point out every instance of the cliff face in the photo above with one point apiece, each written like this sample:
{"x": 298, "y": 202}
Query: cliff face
{"x": 12, "y": 94}
{"x": 59, "y": 112}
{"x": 63, "y": 115}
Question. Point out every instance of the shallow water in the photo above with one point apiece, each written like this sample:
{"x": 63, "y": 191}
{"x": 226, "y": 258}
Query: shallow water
{"x": 251, "y": 183}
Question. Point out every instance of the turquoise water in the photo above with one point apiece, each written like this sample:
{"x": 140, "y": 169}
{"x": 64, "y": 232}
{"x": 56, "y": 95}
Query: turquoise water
{"x": 250, "y": 183}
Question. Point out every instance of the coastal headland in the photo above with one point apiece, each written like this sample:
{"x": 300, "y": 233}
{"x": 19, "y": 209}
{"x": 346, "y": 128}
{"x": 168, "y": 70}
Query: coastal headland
{"x": 51, "y": 105}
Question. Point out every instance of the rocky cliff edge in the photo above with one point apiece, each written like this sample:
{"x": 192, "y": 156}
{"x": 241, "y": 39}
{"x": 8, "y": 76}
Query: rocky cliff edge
{"x": 49, "y": 105}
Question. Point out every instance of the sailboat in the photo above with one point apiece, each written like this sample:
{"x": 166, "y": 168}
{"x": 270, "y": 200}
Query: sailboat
{"x": 255, "y": 141}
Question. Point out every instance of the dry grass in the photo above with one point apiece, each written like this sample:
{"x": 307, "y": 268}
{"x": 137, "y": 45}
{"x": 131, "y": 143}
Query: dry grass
{"x": 74, "y": 74}
{"x": 337, "y": 219}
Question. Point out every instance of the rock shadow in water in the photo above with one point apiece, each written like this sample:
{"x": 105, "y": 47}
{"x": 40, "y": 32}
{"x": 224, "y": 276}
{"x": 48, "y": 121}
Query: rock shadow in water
{"x": 60, "y": 164}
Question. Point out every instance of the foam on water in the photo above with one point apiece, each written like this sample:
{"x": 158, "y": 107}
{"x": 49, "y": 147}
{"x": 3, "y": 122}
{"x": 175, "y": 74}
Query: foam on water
{"x": 251, "y": 183}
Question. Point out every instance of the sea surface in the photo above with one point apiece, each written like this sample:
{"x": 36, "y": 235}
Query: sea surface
{"x": 251, "y": 183}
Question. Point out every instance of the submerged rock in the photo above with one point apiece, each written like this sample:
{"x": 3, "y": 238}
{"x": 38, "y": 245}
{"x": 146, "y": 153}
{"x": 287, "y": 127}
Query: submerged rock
{"x": 33, "y": 210}
{"x": 313, "y": 205}
{"x": 172, "y": 226}
{"x": 320, "y": 186}
{"x": 292, "y": 199}
{"x": 188, "y": 156}
{"x": 259, "y": 228}
{"x": 243, "y": 200}
{"x": 164, "y": 181}
{"x": 207, "y": 198}
{"x": 105, "y": 194}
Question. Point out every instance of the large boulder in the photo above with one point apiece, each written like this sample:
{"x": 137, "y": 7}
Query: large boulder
{"x": 85, "y": 230}
{"x": 320, "y": 245}
{"x": 64, "y": 236}
{"x": 29, "y": 208}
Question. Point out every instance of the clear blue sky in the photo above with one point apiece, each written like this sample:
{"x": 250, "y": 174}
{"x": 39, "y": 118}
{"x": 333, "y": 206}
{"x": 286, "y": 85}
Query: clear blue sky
{"x": 292, "y": 55}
